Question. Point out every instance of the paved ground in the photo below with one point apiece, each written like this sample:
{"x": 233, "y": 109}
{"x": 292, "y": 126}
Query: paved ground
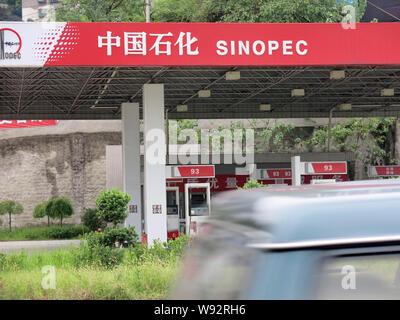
{"x": 29, "y": 246}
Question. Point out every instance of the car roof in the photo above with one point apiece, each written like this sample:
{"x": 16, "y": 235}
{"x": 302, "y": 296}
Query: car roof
{"x": 314, "y": 215}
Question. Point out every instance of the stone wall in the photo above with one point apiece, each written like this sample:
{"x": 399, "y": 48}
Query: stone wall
{"x": 36, "y": 168}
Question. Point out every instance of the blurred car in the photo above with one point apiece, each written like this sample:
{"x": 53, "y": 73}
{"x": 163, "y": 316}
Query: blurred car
{"x": 339, "y": 241}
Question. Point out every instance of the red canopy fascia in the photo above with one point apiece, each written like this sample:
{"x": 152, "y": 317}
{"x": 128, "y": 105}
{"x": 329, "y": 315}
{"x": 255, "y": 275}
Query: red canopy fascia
{"x": 198, "y": 44}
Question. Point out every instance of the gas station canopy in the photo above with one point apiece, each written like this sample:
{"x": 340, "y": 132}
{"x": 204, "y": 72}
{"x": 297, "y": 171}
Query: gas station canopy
{"x": 86, "y": 70}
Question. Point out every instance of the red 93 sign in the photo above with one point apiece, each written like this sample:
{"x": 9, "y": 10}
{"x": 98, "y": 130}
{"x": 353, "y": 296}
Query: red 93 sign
{"x": 278, "y": 173}
{"x": 326, "y": 167}
{"x": 196, "y": 171}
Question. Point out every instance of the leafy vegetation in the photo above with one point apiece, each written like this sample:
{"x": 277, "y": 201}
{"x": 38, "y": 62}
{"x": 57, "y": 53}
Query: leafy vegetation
{"x": 251, "y": 184}
{"x": 208, "y": 10}
{"x": 10, "y": 10}
{"x": 65, "y": 232}
{"x": 110, "y": 236}
{"x": 59, "y": 208}
{"x": 281, "y": 11}
{"x": 112, "y": 205}
{"x": 101, "y": 11}
{"x": 10, "y": 207}
{"x": 42, "y": 233}
{"x": 93, "y": 273}
{"x": 92, "y": 220}
{"x": 369, "y": 139}
{"x": 40, "y": 212}
{"x": 144, "y": 281}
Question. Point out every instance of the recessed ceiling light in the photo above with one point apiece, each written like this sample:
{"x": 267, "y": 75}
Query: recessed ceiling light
{"x": 298, "y": 93}
{"x": 345, "y": 107}
{"x": 265, "y": 107}
{"x": 182, "y": 108}
{"x": 338, "y": 74}
{"x": 232, "y": 75}
{"x": 389, "y": 92}
{"x": 96, "y": 106}
{"x": 204, "y": 93}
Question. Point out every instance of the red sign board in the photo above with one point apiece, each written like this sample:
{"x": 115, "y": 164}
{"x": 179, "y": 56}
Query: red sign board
{"x": 326, "y": 167}
{"x": 306, "y": 179}
{"x": 225, "y": 182}
{"x": 278, "y": 173}
{"x": 196, "y": 171}
{"x": 384, "y": 171}
{"x": 8, "y": 124}
{"x": 200, "y": 44}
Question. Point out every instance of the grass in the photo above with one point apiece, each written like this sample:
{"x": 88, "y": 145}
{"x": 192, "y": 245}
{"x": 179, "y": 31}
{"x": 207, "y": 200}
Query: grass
{"x": 80, "y": 273}
{"x": 145, "y": 281}
{"x": 42, "y": 233}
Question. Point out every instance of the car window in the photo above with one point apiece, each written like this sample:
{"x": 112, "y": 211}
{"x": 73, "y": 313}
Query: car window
{"x": 216, "y": 267}
{"x": 369, "y": 276}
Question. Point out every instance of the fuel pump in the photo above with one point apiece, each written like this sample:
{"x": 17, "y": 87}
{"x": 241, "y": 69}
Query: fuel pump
{"x": 197, "y": 206}
{"x": 172, "y": 212}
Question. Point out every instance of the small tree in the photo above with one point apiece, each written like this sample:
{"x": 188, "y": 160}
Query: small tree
{"x": 11, "y": 207}
{"x": 40, "y": 212}
{"x": 59, "y": 208}
{"x": 112, "y": 205}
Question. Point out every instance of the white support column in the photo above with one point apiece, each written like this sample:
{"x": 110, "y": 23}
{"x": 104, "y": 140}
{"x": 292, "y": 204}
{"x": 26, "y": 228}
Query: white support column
{"x": 253, "y": 171}
{"x": 155, "y": 197}
{"x": 296, "y": 171}
{"x": 131, "y": 162}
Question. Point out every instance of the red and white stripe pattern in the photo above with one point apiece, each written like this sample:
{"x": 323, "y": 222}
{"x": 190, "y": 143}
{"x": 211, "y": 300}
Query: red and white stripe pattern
{"x": 46, "y": 42}
{"x": 65, "y": 44}
{"x": 9, "y": 124}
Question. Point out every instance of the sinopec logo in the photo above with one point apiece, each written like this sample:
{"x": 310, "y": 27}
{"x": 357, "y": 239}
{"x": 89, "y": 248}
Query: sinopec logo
{"x": 10, "y": 44}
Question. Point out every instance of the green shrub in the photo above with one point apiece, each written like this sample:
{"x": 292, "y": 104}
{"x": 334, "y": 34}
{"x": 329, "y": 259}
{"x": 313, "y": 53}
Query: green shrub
{"x": 100, "y": 247}
{"x": 43, "y": 233}
{"x": 40, "y": 212}
{"x": 30, "y": 233}
{"x": 126, "y": 236}
{"x": 178, "y": 245}
{"x": 65, "y": 232}
{"x": 13, "y": 262}
{"x": 59, "y": 208}
{"x": 252, "y": 184}
{"x": 112, "y": 205}
{"x": 91, "y": 219}
{"x": 94, "y": 252}
{"x": 159, "y": 252}
{"x": 3, "y": 261}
